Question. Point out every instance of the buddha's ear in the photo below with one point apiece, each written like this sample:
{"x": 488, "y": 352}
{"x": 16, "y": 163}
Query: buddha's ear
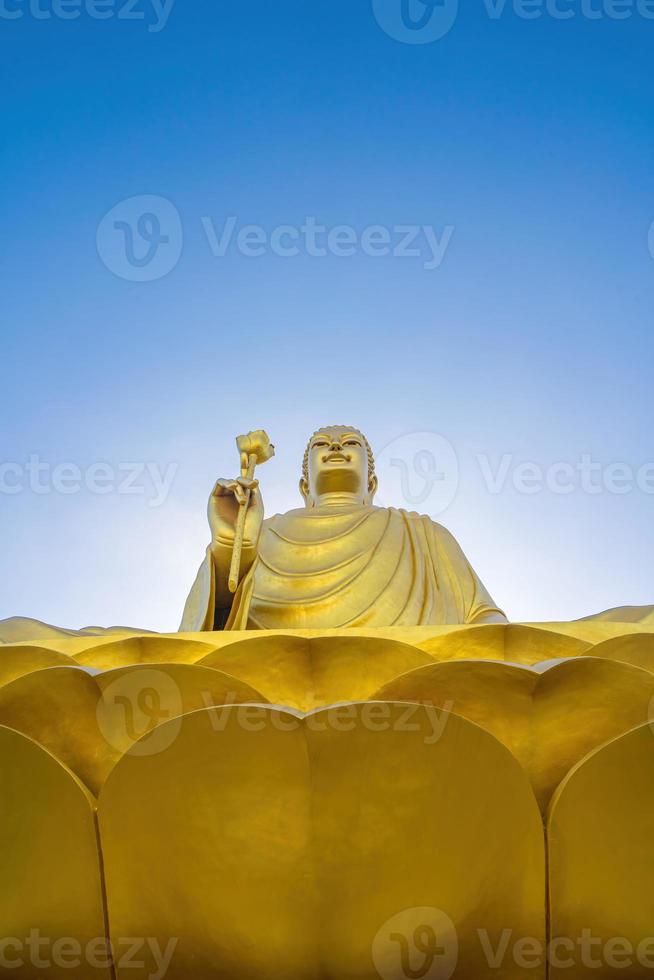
{"x": 373, "y": 483}
{"x": 304, "y": 490}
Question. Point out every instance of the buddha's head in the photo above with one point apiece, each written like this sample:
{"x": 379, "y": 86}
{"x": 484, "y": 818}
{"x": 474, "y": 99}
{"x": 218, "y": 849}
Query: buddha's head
{"x": 338, "y": 460}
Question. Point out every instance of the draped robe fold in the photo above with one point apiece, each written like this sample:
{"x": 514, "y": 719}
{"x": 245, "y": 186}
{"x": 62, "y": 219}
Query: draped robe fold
{"x": 372, "y": 567}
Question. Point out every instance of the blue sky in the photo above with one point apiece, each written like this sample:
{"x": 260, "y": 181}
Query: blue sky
{"x": 524, "y": 146}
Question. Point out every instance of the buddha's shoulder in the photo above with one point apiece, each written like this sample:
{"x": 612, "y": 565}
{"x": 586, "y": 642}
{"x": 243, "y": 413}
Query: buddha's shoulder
{"x": 439, "y": 529}
{"x": 412, "y": 515}
{"x": 438, "y": 532}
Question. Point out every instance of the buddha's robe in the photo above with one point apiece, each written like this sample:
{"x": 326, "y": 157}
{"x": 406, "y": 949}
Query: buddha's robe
{"x": 369, "y": 567}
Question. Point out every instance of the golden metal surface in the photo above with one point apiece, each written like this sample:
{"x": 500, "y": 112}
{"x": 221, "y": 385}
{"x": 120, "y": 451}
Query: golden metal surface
{"x": 17, "y": 661}
{"x": 89, "y": 722}
{"x": 512, "y": 642}
{"x": 328, "y": 851}
{"x": 50, "y": 885}
{"x": 20, "y": 631}
{"x": 548, "y": 720}
{"x": 58, "y": 709}
{"x": 635, "y": 648}
{"x": 137, "y": 701}
{"x": 601, "y": 832}
{"x": 626, "y": 614}
{"x": 307, "y": 673}
{"x": 141, "y": 650}
{"x": 305, "y": 840}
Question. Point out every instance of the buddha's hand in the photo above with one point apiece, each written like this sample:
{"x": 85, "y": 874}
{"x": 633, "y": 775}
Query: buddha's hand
{"x": 224, "y": 504}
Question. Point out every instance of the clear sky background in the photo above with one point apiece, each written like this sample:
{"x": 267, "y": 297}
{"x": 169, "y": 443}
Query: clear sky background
{"x": 532, "y": 342}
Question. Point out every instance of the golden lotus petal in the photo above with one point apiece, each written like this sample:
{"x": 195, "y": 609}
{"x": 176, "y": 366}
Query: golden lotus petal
{"x": 512, "y": 643}
{"x": 89, "y": 722}
{"x": 136, "y": 700}
{"x": 289, "y": 847}
{"x": 634, "y": 648}
{"x": 592, "y": 630}
{"x": 57, "y": 708}
{"x": 50, "y": 869}
{"x": 16, "y": 661}
{"x": 308, "y": 672}
{"x": 143, "y": 650}
{"x": 601, "y": 845}
{"x": 219, "y": 829}
{"x": 549, "y": 720}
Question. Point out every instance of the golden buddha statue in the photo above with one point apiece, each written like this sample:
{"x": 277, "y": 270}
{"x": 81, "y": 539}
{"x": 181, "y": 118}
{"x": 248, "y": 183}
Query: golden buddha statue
{"x": 339, "y": 561}
{"x": 411, "y": 800}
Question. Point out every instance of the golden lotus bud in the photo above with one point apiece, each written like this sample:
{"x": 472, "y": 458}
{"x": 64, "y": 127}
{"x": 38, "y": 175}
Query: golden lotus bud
{"x": 257, "y": 444}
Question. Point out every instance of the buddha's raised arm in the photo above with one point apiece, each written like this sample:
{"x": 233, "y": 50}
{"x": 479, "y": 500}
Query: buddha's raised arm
{"x": 210, "y": 600}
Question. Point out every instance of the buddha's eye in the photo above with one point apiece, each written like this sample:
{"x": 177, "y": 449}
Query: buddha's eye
{"x": 352, "y": 442}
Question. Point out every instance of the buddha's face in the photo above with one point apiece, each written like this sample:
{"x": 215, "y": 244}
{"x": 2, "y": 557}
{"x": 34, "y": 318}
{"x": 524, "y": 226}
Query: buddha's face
{"x": 338, "y": 464}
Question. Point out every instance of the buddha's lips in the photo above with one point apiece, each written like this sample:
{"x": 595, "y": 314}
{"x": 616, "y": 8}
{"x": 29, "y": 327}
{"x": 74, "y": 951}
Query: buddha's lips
{"x": 336, "y": 458}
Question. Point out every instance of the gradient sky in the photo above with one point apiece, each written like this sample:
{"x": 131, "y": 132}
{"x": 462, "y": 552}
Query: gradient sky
{"x": 531, "y": 342}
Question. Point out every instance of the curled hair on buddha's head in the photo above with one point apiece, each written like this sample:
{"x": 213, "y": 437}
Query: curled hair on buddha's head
{"x": 372, "y": 479}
